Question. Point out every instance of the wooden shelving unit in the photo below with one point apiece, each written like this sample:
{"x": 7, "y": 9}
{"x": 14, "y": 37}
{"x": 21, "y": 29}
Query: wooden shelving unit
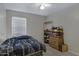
{"x": 56, "y": 39}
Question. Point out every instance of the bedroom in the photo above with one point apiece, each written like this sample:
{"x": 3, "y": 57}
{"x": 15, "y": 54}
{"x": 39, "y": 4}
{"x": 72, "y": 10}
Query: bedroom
{"x": 34, "y": 16}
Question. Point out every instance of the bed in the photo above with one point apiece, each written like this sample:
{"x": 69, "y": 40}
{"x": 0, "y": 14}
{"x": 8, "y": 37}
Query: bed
{"x": 22, "y": 46}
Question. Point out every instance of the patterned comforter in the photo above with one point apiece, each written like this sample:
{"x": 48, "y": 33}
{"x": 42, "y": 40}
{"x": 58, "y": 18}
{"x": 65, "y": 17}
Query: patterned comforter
{"x": 21, "y": 45}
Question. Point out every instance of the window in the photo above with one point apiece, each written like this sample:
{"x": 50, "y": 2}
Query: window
{"x": 18, "y": 26}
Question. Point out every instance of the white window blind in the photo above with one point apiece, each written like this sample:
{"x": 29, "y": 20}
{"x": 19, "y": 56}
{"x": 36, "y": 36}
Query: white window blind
{"x": 18, "y": 26}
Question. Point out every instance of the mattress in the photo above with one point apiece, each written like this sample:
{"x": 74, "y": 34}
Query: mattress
{"x": 20, "y": 46}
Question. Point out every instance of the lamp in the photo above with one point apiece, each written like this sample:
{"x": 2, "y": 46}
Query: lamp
{"x": 42, "y": 6}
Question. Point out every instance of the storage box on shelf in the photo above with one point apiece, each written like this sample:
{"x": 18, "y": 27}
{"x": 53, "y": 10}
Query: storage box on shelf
{"x": 64, "y": 48}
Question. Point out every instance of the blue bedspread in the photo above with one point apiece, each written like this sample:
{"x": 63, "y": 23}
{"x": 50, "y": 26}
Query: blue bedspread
{"x": 21, "y": 45}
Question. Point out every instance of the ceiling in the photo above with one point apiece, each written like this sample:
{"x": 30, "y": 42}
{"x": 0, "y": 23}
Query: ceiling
{"x": 35, "y": 7}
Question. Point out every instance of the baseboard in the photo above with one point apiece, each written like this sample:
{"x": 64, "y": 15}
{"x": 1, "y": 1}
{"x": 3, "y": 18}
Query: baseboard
{"x": 75, "y": 53}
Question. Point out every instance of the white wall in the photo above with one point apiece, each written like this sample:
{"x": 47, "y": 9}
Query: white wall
{"x": 69, "y": 19}
{"x": 2, "y": 23}
{"x": 34, "y": 23}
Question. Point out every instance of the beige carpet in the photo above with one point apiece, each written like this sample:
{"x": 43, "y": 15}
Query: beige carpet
{"x": 54, "y": 52}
